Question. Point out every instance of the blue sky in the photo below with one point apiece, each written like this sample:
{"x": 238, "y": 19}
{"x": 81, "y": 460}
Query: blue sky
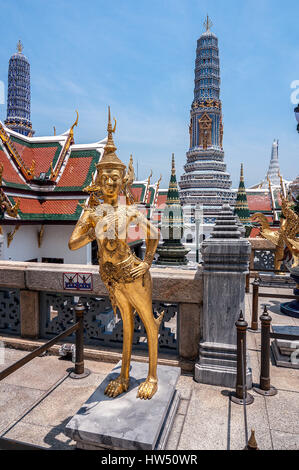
{"x": 138, "y": 56}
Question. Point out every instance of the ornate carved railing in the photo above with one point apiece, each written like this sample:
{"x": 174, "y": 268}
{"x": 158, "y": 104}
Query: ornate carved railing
{"x": 101, "y": 327}
{"x": 262, "y": 255}
{"x": 263, "y": 260}
{"x": 10, "y": 319}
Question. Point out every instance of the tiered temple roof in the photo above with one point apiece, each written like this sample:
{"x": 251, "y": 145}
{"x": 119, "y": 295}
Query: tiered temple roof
{"x": 45, "y": 177}
{"x": 46, "y": 174}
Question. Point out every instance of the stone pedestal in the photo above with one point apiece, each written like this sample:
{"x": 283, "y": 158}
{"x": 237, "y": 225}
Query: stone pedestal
{"x": 127, "y": 422}
{"x": 292, "y": 308}
{"x": 226, "y": 258}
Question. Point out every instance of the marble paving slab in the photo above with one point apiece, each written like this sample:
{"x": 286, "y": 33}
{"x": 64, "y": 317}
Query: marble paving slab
{"x": 125, "y": 422}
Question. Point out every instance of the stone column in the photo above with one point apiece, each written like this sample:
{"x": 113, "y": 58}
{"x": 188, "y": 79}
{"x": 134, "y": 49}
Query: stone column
{"x": 29, "y": 309}
{"x": 225, "y": 262}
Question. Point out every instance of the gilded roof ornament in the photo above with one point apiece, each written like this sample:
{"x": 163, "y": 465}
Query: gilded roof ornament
{"x": 75, "y": 124}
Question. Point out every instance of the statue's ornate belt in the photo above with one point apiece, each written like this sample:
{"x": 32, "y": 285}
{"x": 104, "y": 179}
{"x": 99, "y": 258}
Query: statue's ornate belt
{"x": 120, "y": 272}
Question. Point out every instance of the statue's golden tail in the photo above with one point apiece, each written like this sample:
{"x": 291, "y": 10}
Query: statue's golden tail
{"x": 159, "y": 319}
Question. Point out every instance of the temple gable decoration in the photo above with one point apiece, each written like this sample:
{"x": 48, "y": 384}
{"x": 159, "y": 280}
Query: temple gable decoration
{"x": 205, "y": 131}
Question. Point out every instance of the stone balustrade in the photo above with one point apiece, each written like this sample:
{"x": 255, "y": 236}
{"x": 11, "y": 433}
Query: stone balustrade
{"x": 182, "y": 287}
{"x": 31, "y": 294}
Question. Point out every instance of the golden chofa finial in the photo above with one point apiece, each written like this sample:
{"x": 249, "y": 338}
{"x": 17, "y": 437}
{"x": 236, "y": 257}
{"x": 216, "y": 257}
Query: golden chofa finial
{"x": 71, "y": 135}
{"x": 20, "y": 47}
{"x": 208, "y": 23}
{"x": 76, "y": 122}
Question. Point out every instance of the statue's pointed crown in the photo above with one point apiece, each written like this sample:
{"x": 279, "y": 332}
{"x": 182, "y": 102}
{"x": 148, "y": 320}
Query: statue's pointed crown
{"x": 110, "y": 159}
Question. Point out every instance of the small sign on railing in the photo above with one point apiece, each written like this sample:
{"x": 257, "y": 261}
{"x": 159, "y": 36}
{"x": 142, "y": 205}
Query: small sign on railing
{"x": 77, "y": 281}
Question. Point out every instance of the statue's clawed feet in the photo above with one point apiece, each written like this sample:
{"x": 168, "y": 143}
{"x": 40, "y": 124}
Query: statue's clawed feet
{"x": 147, "y": 389}
{"x": 117, "y": 386}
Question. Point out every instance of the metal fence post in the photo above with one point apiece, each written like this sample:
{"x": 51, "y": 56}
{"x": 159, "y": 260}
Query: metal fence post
{"x": 265, "y": 387}
{"x": 79, "y": 372}
{"x": 255, "y": 303}
{"x": 241, "y": 396}
{"x": 252, "y": 444}
{"x": 247, "y": 287}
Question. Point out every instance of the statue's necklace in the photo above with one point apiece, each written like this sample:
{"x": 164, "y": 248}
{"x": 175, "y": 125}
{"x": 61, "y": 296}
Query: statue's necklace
{"x": 112, "y": 245}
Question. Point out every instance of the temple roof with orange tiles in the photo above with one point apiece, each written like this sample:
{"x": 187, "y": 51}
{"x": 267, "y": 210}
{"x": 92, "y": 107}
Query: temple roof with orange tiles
{"x": 44, "y": 178}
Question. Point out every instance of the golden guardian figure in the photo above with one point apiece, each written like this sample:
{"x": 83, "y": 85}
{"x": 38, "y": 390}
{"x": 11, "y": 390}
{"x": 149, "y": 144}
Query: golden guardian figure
{"x": 126, "y": 277}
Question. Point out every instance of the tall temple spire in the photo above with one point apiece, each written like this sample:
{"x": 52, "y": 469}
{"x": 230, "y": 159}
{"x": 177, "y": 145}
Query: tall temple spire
{"x": 273, "y": 171}
{"x": 272, "y": 177}
{"x": 173, "y": 193}
{"x": 206, "y": 180}
{"x": 241, "y": 207}
{"x": 18, "y": 96}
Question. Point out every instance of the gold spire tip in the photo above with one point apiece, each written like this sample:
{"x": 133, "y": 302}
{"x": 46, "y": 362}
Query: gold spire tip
{"x": 173, "y": 165}
{"x": 208, "y": 23}
{"x": 110, "y": 146}
{"x": 20, "y": 47}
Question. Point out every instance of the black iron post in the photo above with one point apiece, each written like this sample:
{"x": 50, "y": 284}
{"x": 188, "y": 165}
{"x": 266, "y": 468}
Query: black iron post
{"x": 79, "y": 372}
{"x": 255, "y": 304}
{"x": 241, "y": 396}
{"x": 265, "y": 387}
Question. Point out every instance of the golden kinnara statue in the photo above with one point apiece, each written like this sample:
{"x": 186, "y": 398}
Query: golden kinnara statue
{"x": 286, "y": 236}
{"x": 126, "y": 277}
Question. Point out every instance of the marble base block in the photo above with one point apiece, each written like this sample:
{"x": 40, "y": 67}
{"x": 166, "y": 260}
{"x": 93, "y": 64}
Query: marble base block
{"x": 286, "y": 352}
{"x": 276, "y": 280}
{"x": 218, "y": 366}
{"x": 127, "y": 422}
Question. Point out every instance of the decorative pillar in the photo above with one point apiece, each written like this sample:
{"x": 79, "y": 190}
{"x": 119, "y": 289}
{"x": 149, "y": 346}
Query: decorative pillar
{"x": 225, "y": 262}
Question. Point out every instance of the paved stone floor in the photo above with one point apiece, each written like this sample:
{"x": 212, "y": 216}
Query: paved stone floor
{"x": 37, "y": 401}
